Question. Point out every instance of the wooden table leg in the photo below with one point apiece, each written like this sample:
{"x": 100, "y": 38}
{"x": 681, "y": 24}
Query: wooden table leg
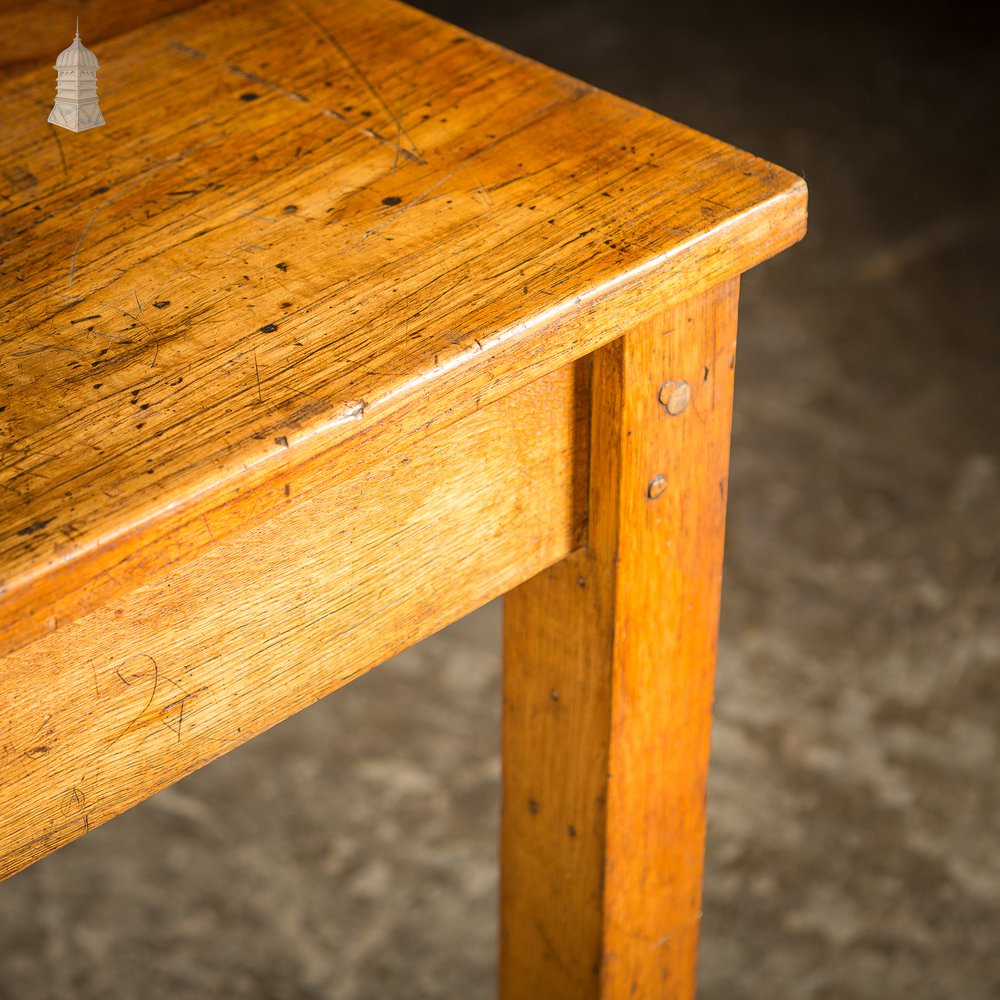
{"x": 609, "y": 661}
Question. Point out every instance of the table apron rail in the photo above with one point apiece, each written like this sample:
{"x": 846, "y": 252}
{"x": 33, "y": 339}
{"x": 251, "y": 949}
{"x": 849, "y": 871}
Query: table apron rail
{"x": 106, "y": 710}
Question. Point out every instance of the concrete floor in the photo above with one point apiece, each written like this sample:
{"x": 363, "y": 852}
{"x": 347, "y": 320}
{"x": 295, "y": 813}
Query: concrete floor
{"x": 855, "y": 807}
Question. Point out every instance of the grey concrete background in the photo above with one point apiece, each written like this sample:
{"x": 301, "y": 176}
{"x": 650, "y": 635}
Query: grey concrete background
{"x": 855, "y": 811}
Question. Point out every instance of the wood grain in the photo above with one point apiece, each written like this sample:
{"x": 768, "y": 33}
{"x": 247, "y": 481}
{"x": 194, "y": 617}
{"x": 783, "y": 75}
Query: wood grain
{"x": 99, "y": 714}
{"x": 34, "y": 33}
{"x": 608, "y": 672}
{"x": 305, "y": 223}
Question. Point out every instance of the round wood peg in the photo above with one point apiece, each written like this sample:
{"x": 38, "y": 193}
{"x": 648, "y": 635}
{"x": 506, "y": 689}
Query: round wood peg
{"x": 675, "y": 396}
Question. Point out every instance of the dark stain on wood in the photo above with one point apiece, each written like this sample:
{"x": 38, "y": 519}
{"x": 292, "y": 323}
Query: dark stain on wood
{"x": 36, "y": 526}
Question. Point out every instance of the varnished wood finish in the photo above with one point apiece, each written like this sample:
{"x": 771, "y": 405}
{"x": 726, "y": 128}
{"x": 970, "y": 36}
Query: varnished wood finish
{"x": 34, "y": 32}
{"x": 307, "y": 223}
{"x": 608, "y": 671}
{"x": 295, "y": 368}
{"x": 103, "y": 712}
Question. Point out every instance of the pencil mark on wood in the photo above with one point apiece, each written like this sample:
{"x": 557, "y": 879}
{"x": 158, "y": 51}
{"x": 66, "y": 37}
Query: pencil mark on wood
{"x": 176, "y": 723}
{"x": 73, "y": 802}
{"x": 138, "y": 669}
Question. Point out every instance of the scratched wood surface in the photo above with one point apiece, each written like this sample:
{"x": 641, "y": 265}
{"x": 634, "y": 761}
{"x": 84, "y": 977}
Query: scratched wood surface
{"x": 101, "y": 713}
{"x": 33, "y": 33}
{"x": 305, "y": 222}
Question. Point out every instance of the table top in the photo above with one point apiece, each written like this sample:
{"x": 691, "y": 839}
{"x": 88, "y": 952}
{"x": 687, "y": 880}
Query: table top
{"x": 302, "y": 223}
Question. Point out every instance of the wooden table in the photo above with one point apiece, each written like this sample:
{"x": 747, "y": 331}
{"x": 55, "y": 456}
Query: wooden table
{"x": 344, "y": 324}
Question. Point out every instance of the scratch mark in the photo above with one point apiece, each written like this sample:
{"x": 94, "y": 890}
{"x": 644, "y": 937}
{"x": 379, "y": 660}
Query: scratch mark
{"x": 114, "y": 197}
{"x": 260, "y": 398}
{"x": 413, "y": 155}
{"x": 251, "y": 215}
{"x": 38, "y": 348}
{"x": 427, "y": 192}
{"x": 79, "y": 242}
{"x": 38, "y": 751}
{"x": 331, "y": 38}
{"x": 718, "y": 204}
{"x": 255, "y": 78}
{"x": 399, "y": 127}
{"x": 482, "y": 191}
{"x": 135, "y": 319}
{"x": 187, "y": 50}
{"x": 208, "y": 527}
